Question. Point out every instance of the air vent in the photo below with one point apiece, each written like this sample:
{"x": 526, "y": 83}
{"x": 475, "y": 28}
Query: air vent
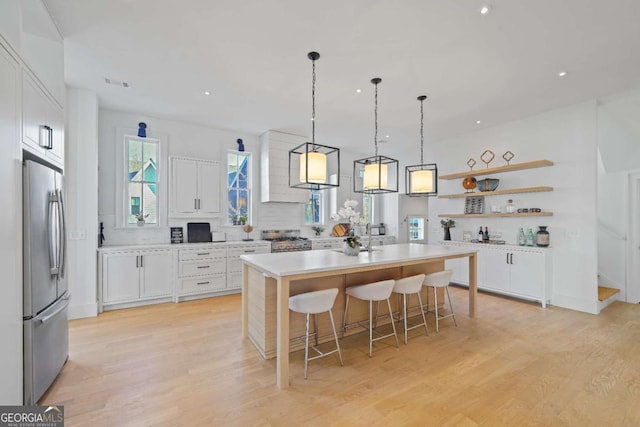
{"x": 115, "y": 82}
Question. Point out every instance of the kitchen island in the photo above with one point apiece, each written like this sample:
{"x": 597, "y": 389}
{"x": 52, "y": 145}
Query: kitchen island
{"x": 269, "y": 280}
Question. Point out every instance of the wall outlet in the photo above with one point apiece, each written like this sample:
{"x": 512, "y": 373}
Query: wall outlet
{"x": 77, "y": 235}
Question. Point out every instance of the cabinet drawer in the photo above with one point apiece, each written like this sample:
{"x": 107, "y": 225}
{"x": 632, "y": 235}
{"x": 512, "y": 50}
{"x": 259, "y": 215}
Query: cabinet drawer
{"x": 203, "y": 284}
{"x": 202, "y": 268}
{"x": 234, "y": 265}
{"x": 234, "y": 280}
{"x": 208, "y": 253}
{"x": 236, "y": 252}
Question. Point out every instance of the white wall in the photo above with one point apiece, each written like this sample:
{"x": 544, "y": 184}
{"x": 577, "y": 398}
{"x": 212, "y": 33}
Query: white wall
{"x": 619, "y": 159}
{"x": 568, "y": 138}
{"x": 81, "y": 182}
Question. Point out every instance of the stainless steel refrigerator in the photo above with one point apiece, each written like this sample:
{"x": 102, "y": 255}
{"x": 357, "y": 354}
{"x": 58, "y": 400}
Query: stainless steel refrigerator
{"x": 46, "y": 329}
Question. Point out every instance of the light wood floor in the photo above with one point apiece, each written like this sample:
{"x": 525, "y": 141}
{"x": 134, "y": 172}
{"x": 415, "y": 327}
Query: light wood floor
{"x": 516, "y": 365}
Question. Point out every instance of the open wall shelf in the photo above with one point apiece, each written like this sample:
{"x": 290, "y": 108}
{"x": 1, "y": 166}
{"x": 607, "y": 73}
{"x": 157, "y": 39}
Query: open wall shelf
{"x": 495, "y": 215}
{"x": 507, "y": 168}
{"x": 496, "y": 192}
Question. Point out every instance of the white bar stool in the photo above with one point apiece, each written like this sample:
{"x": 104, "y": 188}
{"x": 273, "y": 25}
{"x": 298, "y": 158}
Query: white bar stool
{"x": 314, "y": 303}
{"x": 378, "y": 291}
{"x": 439, "y": 280}
{"x": 405, "y": 287}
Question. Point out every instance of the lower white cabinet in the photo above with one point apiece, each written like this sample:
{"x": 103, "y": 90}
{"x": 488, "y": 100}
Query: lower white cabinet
{"x": 337, "y": 242}
{"x": 523, "y": 272}
{"x": 234, "y": 263}
{"x": 201, "y": 270}
{"x": 133, "y": 276}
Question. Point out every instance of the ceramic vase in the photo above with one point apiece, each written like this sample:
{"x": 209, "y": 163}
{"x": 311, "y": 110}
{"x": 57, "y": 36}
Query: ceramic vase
{"x": 348, "y": 250}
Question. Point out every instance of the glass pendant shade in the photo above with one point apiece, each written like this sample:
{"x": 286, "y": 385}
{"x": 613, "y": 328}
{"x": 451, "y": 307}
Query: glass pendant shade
{"x": 422, "y": 180}
{"x": 375, "y": 175}
{"x": 311, "y": 166}
{"x": 314, "y": 166}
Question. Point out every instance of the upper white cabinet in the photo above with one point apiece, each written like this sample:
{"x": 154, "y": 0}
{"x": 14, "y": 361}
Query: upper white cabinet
{"x": 11, "y": 22}
{"x": 274, "y": 168}
{"x": 195, "y": 187}
{"x": 42, "y": 122}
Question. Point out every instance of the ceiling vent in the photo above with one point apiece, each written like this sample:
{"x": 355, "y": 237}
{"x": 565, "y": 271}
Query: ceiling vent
{"x": 115, "y": 82}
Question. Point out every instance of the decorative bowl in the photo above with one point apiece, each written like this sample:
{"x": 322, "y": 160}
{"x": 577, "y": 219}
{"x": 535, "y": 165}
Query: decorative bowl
{"x": 469, "y": 183}
{"x": 487, "y": 184}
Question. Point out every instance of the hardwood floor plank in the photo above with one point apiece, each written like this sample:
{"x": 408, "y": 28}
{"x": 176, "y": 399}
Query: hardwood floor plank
{"x": 517, "y": 364}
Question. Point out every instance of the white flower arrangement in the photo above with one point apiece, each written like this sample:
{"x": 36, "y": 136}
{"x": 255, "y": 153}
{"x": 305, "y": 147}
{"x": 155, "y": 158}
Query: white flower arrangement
{"x": 347, "y": 212}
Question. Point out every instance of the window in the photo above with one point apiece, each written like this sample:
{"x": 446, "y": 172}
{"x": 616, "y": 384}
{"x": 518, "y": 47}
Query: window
{"x": 313, "y": 208}
{"x": 238, "y": 187}
{"x": 142, "y": 179}
{"x": 416, "y": 227}
{"x": 367, "y": 207}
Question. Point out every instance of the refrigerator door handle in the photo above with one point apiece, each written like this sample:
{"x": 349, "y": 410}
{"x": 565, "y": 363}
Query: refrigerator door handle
{"x": 46, "y": 318}
{"x": 53, "y": 256}
{"x": 63, "y": 234}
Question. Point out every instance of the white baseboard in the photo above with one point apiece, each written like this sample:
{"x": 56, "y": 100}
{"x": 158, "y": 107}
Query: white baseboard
{"x": 572, "y": 303}
{"x": 82, "y": 311}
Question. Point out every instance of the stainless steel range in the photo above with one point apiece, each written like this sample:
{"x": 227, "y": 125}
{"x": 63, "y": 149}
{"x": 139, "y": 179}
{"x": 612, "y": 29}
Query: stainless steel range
{"x": 286, "y": 240}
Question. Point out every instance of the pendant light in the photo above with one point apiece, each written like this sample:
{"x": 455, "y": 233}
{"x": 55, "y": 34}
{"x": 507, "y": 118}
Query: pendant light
{"x": 377, "y": 174}
{"x": 313, "y": 166}
{"x": 421, "y": 180}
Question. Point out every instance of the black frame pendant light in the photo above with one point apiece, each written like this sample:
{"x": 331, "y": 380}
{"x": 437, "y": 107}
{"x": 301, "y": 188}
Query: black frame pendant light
{"x": 421, "y": 180}
{"x": 313, "y": 166}
{"x": 377, "y": 174}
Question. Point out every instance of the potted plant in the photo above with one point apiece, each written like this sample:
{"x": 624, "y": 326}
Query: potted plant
{"x": 242, "y": 220}
{"x": 318, "y": 230}
{"x": 141, "y": 217}
{"x": 351, "y": 245}
{"x": 447, "y": 224}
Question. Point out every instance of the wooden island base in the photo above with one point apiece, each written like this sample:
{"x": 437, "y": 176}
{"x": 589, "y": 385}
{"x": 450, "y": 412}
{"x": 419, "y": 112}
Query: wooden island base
{"x": 263, "y": 301}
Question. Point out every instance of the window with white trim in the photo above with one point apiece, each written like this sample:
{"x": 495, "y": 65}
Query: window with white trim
{"x": 142, "y": 159}
{"x": 313, "y": 209}
{"x": 238, "y": 187}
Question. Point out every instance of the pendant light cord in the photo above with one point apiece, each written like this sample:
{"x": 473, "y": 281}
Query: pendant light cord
{"x": 313, "y": 105}
{"x": 375, "y": 137}
{"x": 422, "y": 131}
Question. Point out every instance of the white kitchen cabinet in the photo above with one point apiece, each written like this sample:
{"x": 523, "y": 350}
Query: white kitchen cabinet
{"x": 11, "y": 22}
{"x": 195, "y": 187}
{"x": 42, "y": 123}
{"x": 327, "y": 243}
{"x": 201, "y": 270}
{"x": 274, "y": 168}
{"x": 523, "y": 272}
{"x": 234, "y": 263}
{"x": 134, "y": 276}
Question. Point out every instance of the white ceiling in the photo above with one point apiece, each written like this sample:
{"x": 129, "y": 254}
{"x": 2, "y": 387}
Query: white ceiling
{"x": 251, "y": 55}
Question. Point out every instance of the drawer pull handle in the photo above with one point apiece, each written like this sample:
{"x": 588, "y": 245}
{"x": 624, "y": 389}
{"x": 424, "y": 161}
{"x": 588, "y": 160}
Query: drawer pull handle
{"x": 203, "y": 253}
{"x": 249, "y": 250}
{"x": 204, "y": 266}
{"x": 202, "y": 283}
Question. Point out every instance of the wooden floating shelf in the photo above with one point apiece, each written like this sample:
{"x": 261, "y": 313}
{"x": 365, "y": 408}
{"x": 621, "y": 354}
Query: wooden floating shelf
{"x": 496, "y": 192}
{"x": 495, "y": 215}
{"x": 498, "y": 169}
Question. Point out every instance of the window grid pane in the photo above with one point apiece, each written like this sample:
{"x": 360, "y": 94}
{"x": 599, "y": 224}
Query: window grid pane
{"x": 142, "y": 176}
{"x": 238, "y": 187}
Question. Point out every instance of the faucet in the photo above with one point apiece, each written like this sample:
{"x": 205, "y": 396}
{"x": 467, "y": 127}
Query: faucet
{"x": 368, "y": 230}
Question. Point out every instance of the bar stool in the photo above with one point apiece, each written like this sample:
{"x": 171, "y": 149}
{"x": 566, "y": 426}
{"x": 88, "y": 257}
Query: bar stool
{"x": 314, "y": 303}
{"x": 378, "y": 291}
{"x": 405, "y": 287}
{"x": 439, "y": 280}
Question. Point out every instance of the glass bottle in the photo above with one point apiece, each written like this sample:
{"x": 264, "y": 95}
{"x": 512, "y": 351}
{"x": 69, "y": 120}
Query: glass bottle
{"x": 510, "y": 207}
{"x": 521, "y": 238}
{"x": 542, "y": 236}
{"x": 480, "y": 235}
{"x": 486, "y": 234}
{"x": 530, "y": 237}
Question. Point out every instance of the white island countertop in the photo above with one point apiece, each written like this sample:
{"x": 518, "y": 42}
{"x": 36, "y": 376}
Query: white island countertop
{"x": 304, "y": 262}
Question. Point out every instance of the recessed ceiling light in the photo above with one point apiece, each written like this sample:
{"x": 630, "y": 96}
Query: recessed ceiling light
{"x": 206, "y": 92}
{"x": 562, "y": 73}
{"x": 485, "y": 9}
{"x": 387, "y": 136}
{"x": 478, "y": 122}
{"x": 358, "y": 91}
